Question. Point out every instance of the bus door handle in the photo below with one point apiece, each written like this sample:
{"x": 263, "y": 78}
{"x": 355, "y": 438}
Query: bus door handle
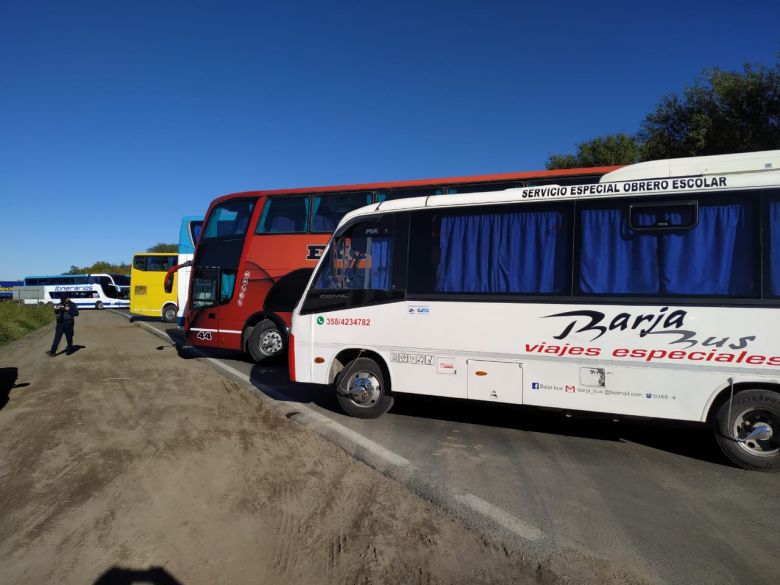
{"x": 212, "y": 315}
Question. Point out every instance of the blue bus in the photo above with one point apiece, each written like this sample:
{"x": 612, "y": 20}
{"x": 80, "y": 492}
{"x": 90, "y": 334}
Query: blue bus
{"x": 189, "y": 232}
{"x": 6, "y": 288}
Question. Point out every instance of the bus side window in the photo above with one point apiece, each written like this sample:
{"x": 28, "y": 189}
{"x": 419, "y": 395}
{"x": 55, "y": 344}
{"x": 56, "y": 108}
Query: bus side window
{"x": 774, "y": 248}
{"x": 513, "y": 249}
{"x": 327, "y": 210}
{"x": 284, "y": 215}
{"x": 709, "y": 253}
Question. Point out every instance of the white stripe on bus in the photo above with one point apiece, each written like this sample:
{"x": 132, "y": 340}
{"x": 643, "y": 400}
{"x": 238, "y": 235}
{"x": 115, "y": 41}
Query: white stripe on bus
{"x": 214, "y": 330}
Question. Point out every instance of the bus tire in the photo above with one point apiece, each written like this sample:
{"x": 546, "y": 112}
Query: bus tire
{"x": 751, "y": 411}
{"x": 266, "y": 341}
{"x": 361, "y": 389}
{"x": 99, "y": 305}
{"x": 169, "y": 313}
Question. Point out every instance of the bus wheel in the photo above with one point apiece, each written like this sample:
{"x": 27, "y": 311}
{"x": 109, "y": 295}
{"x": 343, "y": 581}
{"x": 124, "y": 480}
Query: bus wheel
{"x": 169, "y": 313}
{"x": 99, "y": 305}
{"x": 749, "y": 431}
{"x": 361, "y": 389}
{"x": 266, "y": 341}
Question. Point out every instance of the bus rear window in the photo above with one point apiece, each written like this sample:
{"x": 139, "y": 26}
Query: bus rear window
{"x": 230, "y": 218}
{"x": 153, "y": 263}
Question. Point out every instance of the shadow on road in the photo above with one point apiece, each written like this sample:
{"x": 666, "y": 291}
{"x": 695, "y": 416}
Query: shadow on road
{"x": 137, "y": 318}
{"x": 689, "y": 440}
{"x": 150, "y": 576}
{"x": 8, "y": 378}
{"x": 74, "y": 350}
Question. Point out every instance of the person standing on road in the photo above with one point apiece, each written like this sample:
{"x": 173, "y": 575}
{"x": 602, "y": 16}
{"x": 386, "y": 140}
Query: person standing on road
{"x": 66, "y": 313}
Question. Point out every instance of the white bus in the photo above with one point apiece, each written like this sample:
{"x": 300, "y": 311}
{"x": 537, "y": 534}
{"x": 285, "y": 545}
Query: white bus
{"x": 119, "y": 282}
{"x": 654, "y": 293}
{"x": 84, "y": 296}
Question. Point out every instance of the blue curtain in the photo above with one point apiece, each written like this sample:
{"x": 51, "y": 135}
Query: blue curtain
{"x": 381, "y": 263}
{"x": 774, "y": 248}
{"x": 713, "y": 258}
{"x": 519, "y": 252}
{"x": 614, "y": 258}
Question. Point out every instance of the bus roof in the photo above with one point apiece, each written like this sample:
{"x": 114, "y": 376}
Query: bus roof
{"x": 526, "y": 175}
{"x": 734, "y": 171}
{"x": 58, "y": 276}
{"x": 698, "y": 166}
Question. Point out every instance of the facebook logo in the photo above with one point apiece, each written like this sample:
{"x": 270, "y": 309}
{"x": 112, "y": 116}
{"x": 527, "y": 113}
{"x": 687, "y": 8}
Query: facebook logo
{"x": 534, "y": 385}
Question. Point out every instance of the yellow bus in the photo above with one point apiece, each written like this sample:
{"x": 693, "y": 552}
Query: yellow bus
{"x": 147, "y": 295}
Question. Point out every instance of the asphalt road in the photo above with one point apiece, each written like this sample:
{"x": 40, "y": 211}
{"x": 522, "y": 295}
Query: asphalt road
{"x": 655, "y": 497}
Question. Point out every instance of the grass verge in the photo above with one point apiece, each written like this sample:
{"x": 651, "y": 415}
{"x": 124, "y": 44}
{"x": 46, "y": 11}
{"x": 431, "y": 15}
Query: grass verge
{"x": 18, "y": 320}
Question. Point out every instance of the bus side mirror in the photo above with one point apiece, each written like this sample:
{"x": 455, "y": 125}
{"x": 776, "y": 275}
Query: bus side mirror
{"x": 168, "y": 282}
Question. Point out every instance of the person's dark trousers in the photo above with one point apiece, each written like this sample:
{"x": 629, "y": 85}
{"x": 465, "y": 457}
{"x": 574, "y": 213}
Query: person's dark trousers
{"x": 67, "y": 329}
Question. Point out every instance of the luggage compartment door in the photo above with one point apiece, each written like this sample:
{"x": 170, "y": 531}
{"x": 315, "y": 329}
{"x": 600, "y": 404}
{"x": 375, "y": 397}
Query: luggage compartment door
{"x": 495, "y": 381}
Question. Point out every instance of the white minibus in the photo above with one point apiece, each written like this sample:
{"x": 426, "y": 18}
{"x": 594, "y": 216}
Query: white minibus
{"x": 653, "y": 293}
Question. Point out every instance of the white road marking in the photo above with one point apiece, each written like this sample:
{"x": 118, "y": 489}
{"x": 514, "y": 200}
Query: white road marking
{"x": 505, "y": 519}
{"x": 375, "y": 448}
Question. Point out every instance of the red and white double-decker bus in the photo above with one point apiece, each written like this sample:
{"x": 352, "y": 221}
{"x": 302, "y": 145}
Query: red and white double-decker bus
{"x": 257, "y": 250}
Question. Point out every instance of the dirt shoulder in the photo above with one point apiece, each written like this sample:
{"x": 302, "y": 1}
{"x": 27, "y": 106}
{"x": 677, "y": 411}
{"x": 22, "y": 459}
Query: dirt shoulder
{"x": 123, "y": 457}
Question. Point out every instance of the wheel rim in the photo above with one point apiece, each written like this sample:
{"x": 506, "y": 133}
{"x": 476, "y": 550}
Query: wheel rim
{"x": 271, "y": 342}
{"x": 756, "y": 431}
{"x": 364, "y": 389}
{"x": 170, "y": 315}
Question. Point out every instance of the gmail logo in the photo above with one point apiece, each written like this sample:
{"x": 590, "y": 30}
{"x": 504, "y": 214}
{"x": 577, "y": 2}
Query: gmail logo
{"x": 571, "y": 388}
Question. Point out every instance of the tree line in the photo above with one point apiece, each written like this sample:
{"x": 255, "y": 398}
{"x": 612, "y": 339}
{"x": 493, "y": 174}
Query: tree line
{"x": 721, "y": 112}
{"x": 101, "y": 266}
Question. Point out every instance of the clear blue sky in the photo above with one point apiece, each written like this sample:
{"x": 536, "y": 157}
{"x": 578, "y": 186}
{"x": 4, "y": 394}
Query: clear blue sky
{"x": 118, "y": 118}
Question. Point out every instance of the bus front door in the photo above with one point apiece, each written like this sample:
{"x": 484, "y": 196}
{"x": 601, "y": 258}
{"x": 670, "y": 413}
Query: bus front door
{"x": 203, "y": 327}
